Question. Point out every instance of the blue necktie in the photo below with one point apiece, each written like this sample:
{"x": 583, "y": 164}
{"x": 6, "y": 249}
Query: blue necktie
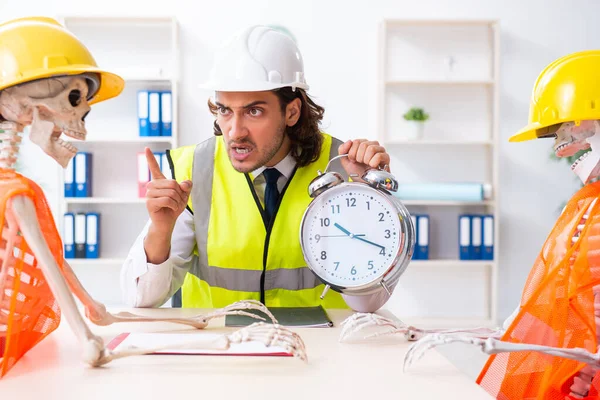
{"x": 271, "y": 192}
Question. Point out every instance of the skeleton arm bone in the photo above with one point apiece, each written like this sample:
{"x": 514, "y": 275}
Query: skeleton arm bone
{"x": 95, "y": 353}
{"x": 495, "y": 346}
{"x": 26, "y": 216}
{"x": 269, "y": 335}
{"x": 96, "y": 311}
{"x": 361, "y": 321}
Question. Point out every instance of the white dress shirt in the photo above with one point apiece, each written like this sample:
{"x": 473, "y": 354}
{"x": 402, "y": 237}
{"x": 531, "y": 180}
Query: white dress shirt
{"x": 151, "y": 285}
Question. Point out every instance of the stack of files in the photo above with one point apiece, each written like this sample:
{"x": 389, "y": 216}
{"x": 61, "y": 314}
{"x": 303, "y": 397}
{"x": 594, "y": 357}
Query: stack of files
{"x": 421, "y": 224}
{"x": 155, "y": 113}
{"x": 444, "y": 191}
{"x": 143, "y": 170}
{"x": 476, "y": 237}
{"x": 82, "y": 235}
{"x": 78, "y": 176}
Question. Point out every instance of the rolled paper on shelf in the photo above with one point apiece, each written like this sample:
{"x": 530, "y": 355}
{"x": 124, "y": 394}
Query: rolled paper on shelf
{"x": 444, "y": 191}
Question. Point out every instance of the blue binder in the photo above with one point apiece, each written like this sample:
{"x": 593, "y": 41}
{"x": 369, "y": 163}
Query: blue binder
{"x": 413, "y": 218}
{"x": 166, "y": 113}
{"x": 143, "y": 107}
{"x": 69, "y": 235}
{"x": 92, "y": 237}
{"x": 476, "y": 233}
{"x": 423, "y": 237}
{"x": 80, "y": 233}
{"x": 154, "y": 113}
{"x": 70, "y": 179}
{"x": 487, "y": 252}
{"x": 83, "y": 175}
{"x": 464, "y": 237}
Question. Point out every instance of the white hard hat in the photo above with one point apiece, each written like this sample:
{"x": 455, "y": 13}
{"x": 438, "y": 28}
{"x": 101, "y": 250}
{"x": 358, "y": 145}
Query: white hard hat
{"x": 260, "y": 58}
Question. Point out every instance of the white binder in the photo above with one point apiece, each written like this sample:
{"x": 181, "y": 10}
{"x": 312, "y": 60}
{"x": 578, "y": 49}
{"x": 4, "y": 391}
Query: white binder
{"x": 464, "y": 237}
{"x": 165, "y": 167}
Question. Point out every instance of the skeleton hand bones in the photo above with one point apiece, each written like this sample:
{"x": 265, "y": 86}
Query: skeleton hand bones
{"x": 491, "y": 345}
{"x": 362, "y": 321}
{"x": 95, "y": 352}
{"x": 268, "y": 334}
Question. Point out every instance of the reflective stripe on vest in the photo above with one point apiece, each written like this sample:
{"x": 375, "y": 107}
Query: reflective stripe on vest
{"x": 237, "y": 257}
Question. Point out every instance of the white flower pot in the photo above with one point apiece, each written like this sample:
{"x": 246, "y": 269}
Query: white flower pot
{"x": 413, "y": 130}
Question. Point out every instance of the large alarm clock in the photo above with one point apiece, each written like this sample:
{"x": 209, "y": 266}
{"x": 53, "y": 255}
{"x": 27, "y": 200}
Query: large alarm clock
{"x": 356, "y": 237}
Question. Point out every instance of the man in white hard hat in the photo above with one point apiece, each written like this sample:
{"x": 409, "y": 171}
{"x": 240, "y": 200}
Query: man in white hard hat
{"x": 221, "y": 229}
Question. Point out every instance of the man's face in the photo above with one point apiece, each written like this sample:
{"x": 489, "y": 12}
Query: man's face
{"x": 253, "y": 127}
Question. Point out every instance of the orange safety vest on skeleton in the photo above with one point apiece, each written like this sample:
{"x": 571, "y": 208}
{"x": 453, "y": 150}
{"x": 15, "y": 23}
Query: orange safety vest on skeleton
{"x": 28, "y": 309}
{"x": 557, "y": 309}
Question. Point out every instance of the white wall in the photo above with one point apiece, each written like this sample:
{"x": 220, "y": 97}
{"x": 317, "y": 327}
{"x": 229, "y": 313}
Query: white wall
{"x": 339, "y": 44}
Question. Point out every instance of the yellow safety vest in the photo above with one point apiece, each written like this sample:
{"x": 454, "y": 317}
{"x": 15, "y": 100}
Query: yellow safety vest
{"x": 237, "y": 255}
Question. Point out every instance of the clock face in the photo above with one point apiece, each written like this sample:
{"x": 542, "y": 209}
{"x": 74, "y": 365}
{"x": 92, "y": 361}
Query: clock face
{"x": 351, "y": 235}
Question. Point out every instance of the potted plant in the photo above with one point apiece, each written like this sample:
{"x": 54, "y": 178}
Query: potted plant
{"x": 415, "y": 118}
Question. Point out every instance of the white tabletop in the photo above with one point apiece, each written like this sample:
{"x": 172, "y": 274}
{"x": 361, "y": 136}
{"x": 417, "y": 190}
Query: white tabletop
{"x": 358, "y": 370}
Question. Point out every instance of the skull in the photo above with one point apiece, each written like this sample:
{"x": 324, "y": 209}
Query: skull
{"x": 51, "y": 106}
{"x": 571, "y": 138}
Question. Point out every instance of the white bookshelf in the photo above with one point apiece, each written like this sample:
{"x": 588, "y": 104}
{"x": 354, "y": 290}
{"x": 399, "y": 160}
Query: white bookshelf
{"x": 81, "y": 262}
{"x": 425, "y": 82}
{"x": 442, "y": 142}
{"x": 452, "y": 263}
{"x": 125, "y": 140}
{"x": 103, "y": 200}
{"x": 447, "y": 203}
{"x": 450, "y": 69}
{"x": 144, "y": 51}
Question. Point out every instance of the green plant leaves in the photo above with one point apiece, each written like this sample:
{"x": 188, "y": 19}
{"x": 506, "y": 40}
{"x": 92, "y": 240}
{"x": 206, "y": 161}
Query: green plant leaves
{"x": 416, "y": 114}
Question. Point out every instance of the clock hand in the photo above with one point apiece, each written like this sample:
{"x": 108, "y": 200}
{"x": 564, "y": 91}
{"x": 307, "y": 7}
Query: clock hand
{"x": 368, "y": 241}
{"x": 360, "y": 234}
{"x": 347, "y": 232}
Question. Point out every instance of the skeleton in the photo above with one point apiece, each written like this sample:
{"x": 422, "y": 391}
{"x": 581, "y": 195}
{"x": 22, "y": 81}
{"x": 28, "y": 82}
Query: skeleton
{"x": 33, "y": 274}
{"x": 570, "y": 138}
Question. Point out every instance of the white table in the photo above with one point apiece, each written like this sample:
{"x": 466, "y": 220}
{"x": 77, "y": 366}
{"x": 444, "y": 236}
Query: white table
{"x": 359, "y": 370}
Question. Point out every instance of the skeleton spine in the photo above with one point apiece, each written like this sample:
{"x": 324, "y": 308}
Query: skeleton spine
{"x": 9, "y": 148}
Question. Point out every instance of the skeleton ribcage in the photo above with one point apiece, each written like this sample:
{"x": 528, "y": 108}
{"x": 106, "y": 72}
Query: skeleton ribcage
{"x": 583, "y": 381}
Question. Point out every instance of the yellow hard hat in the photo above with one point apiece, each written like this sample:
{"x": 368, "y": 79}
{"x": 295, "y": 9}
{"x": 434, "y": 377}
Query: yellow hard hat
{"x": 39, "y": 47}
{"x": 567, "y": 90}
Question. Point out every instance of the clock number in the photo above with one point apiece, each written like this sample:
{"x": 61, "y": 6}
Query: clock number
{"x": 368, "y": 205}
{"x": 381, "y": 217}
{"x": 371, "y": 266}
{"x": 317, "y": 237}
{"x": 382, "y": 252}
{"x": 351, "y": 202}
{"x": 353, "y": 270}
{"x": 335, "y": 207}
{"x": 323, "y": 255}
{"x": 387, "y": 234}
{"x": 337, "y": 264}
{"x": 324, "y": 221}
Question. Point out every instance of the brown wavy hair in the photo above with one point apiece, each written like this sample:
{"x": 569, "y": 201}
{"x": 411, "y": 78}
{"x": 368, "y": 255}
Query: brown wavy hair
{"x": 305, "y": 135}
